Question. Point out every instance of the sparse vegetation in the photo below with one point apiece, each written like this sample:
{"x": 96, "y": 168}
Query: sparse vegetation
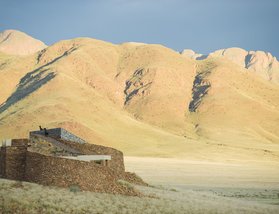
{"x": 126, "y": 184}
{"x": 74, "y": 188}
{"x": 34, "y": 198}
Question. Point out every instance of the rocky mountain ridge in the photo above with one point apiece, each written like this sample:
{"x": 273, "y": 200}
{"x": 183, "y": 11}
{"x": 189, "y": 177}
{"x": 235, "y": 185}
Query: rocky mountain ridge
{"x": 261, "y": 63}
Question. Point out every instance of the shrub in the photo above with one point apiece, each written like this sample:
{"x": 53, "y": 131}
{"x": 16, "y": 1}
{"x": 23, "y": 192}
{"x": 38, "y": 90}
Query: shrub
{"x": 125, "y": 183}
{"x": 74, "y": 188}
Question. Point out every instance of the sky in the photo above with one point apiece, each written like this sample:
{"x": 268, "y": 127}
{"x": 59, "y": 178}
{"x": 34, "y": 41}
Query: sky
{"x": 201, "y": 25}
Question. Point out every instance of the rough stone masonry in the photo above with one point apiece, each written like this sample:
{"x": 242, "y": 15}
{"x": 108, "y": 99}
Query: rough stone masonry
{"x": 51, "y": 160}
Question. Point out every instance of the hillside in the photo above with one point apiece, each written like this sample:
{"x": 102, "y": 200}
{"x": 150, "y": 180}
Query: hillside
{"x": 146, "y": 100}
{"x": 18, "y": 43}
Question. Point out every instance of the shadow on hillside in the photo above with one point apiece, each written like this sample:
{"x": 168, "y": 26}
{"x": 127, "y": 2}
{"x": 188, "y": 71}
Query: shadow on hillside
{"x": 26, "y": 86}
{"x": 31, "y": 82}
{"x": 248, "y": 60}
{"x": 134, "y": 85}
{"x": 202, "y": 57}
{"x": 199, "y": 90}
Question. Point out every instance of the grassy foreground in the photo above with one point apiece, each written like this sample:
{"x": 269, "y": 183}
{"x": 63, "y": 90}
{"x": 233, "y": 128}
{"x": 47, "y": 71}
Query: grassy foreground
{"x": 23, "y": 197}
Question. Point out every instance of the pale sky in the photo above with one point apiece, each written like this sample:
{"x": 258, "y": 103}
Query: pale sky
{"x": 201, "y": 25}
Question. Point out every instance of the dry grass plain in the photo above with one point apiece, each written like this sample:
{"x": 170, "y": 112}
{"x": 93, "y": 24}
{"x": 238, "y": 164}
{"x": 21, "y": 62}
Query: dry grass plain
{"x": 254, "y": 183}
{"x": 183, "y": 172}
{"x": 30, "y": 198}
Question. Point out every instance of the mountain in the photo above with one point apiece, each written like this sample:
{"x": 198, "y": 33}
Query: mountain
{"x": 261, "y": 63}
{"x": 18, "y": 43}
{"x": 145, "y": 100}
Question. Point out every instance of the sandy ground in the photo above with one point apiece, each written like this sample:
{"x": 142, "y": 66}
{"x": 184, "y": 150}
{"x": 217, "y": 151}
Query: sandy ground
{"x": 252, "y": 181}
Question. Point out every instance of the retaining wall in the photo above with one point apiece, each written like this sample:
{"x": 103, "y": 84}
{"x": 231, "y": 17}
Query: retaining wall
{"x": 20, "y": 162}
{"x": 117, "y": 161}
{"x": 13, "y": 159}
{"x": 57, "y": 171}
{"x": 45, "y": 145}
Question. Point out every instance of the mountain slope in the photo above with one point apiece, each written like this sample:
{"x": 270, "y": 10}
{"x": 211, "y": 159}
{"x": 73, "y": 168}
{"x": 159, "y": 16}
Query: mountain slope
{"x": 18, "y": 43}
{"x": 144, "y": 99}
{"x": 237, "y": 105}
{"x": 75, "y": 84}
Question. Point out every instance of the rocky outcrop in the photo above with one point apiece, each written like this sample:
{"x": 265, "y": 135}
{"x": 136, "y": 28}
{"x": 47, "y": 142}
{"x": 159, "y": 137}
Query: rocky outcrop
{"x": 201, "y": 85}
{"x": 237, "y": 55}
{"x": 137, "y": 85}
{"x": 192, "y": 54}
{"x": 260, "y": 62}
{"x": 263, "y": 64}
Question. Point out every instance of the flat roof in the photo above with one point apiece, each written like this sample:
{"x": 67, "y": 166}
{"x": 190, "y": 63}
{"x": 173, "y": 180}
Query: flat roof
{"x": 89, "y": 157}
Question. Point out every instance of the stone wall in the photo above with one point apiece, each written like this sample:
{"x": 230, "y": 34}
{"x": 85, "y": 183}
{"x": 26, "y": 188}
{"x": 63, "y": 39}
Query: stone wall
{"x": 13, "y": 159}
{"x": 46, "y": 145}
{"x": 2, "y": 161}
{"x": 57, "y": 171}
{"x": 117, "y": 161}
{"x": 39, "y": 165}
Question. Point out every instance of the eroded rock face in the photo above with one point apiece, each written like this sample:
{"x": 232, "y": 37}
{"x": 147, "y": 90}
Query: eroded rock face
{"x": 138, "y": 84}
{"x": 237, "y": 55}
{"x": 264, "y": 64}
{"x": 200, "y": 89}
{"x": 192, "y": 54}
{"x": 261, "y": 63}
{"x": 18, "y": 43}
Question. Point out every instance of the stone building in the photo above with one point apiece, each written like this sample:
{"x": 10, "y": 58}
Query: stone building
{"x": 59, "y": 158}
